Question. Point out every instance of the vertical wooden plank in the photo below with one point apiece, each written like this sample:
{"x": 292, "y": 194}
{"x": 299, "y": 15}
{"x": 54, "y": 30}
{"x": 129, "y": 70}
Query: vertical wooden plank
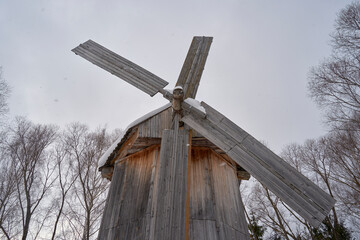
{"x": 201, "y": 193}
{"x": 188, "y": 183}
{"x": 128, "y": 209}
{"x": 202, "y": 205}
{"x": 229, "y": 209}
{"x": 216, "y": 205}
{"x": 107, "y": 218}
{"x": 149, "y": 211}
{"x": 153, "y": 127}
{"x": 170, "y": 193}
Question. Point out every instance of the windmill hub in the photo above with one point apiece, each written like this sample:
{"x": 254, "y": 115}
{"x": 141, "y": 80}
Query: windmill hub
{"x": 178, "y": 97}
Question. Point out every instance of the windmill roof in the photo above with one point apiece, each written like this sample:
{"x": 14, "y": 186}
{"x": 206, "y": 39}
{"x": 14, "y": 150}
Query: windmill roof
{"x": 147, "y": 131}
{"x": 107, "y": 156}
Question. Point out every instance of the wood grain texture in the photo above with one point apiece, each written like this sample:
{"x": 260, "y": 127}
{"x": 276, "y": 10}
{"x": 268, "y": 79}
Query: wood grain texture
{"x": 149, "y": 133}
{"x": 120, "y": 67}
{"x": 169, "y": 202}
{"x": 146, "y": 197}
{"x": 154, "y": 126}
{"x": 216, "y": 209}
{"x": 193, "y": 66}
{"x": 127, "y": 212}
{"x": 122, "y": 150}
{"x": 307, "y": 199}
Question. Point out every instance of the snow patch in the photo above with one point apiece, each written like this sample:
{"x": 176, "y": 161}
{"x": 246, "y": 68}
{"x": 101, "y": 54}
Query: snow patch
{"x": 177, "y": 87}
{"x": 148, "y": 115}
{"x": 195, "y": 104}
{"x": 108, "y": 152}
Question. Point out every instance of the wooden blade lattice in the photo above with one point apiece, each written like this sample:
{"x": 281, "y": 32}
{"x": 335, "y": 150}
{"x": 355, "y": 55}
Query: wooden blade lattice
{"x": 121, "y": 67}
{"x": 193, "y": 66}
{"x": 307, "y": 199}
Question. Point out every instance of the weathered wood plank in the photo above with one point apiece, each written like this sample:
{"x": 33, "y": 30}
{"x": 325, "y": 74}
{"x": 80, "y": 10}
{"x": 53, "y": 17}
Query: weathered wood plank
{"x": 128, "y": 207}
{"x": 169, "y": 202}
{"x": 111, "y": 67}
{"x": 123, "y": 150}
{"x": 111, "y": 210}
{"x": 188, "y": 184}
{"x": 293, "y": 188}
{"x": 202, "y": 203}
{"x": 229, "y": 208}
{"x": 193, "y": 67}
{"x": 120, "y": 67}
{"x": 227, "y": 232}
{"x": 215, "y": 197}
{"x": 153, "y": 127}
{"x": 203, "y": 230}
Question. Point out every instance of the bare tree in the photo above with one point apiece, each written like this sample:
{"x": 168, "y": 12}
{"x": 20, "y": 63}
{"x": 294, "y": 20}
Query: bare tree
{"x": 316, "y": 158}
{"x": 345, "y": 39}
{"x": 335, "y": 84}
{"x": 4, "y": 95}
{"x": 7, "y": 173}
{"x": 331, "y": 161}
{"x": 49, "y": 183}
{"x": 31, "y": 173}
{"x": 85, "y": 206}
{"x": 318, "y": 161}
{"x": 65, "y": 181}
{"x": 344, "y": 153}
{"x": 270, "y": 212}
{"x": 8, "y": 200}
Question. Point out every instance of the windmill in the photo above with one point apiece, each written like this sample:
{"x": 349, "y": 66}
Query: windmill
{"x": 175, "y": 171}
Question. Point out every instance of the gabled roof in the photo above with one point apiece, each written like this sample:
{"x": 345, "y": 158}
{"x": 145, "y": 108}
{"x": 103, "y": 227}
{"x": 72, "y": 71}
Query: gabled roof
{"x": 107, "y": 157}
{"x": 147, "y": 131}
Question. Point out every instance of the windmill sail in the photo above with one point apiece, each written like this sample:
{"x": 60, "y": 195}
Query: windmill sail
{"x": 120, "y": 67}
{"x": 307, "y": 199}
{"x": 193, "y": 67}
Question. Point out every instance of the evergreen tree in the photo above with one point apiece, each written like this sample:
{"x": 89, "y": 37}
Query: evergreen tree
{"x": 256, "y": 231}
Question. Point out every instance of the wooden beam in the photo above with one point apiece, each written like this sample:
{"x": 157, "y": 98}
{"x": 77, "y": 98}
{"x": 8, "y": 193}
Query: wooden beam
{"x": 169, "y": 202}
{"x": 126, "y": 146}
{"x": 187, "y": 211}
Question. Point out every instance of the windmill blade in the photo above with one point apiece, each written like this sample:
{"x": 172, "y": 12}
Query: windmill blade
{"x": 120, "y": 67}
{"x": 307, "y": 199}
{"x": 193, "y": 67}
{"x": 169, "y": 202}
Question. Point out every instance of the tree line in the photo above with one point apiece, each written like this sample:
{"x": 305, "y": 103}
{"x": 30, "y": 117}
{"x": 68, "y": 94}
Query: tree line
{"x": 50, "y": 187}
{"x": 331, "y": 161}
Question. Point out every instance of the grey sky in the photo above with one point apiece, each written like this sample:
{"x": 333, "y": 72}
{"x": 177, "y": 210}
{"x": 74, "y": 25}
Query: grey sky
{"x": 256, "y": 72}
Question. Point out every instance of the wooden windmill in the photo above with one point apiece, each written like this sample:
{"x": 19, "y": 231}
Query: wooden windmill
{"x": 175, "y": 173}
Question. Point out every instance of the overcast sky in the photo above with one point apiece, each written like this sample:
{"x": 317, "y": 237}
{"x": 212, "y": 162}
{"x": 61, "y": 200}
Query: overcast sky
{"x": 256, "y": 72}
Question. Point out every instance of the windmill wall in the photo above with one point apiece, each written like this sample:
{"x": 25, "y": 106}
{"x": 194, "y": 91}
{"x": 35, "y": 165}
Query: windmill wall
{"x": 212, "y": 208}
{"x": 215, "y": 209}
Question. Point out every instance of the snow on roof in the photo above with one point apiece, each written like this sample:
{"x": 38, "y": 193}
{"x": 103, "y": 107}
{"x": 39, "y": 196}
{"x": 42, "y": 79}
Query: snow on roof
{"x": 105, "y": 156}
{"x": 148, "y": 115}
{"x": 192, "y": 102}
